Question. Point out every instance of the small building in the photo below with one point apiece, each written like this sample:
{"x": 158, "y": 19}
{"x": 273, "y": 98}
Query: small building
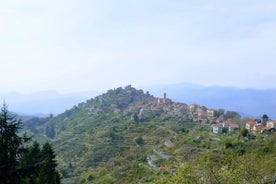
{"x": 162, "y": 100}
{"x": 258, "y": 126}
{"x": 227, "y": 126}
{"x": 249, "y": 125}
{"x": 233, "y": 127}
{"x": 193, "y": 108}
{"x": 217, "y": 128}
{"x": 271, "y": 124}
{"x": 211, "y": 113}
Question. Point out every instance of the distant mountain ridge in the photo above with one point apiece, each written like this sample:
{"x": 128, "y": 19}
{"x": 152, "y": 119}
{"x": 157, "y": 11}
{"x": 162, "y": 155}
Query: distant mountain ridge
{"x": 249, "y": 102}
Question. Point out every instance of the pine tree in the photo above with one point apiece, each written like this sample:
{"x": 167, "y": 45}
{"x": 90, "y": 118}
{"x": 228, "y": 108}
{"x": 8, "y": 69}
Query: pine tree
{"x": 24, "y": 165}
{"x": 48, "y": 173}
{"x": 11, "y": 147}
{"x": 30, "y": 164}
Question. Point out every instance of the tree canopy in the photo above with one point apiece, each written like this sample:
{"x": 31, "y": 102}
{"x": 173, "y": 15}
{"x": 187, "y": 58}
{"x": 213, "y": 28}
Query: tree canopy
{"x": 21, "y": 164}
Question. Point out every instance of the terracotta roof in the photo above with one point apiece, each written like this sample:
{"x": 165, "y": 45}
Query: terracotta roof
{"x": 274, "y": 122}
{"x": 234, "y": 125}
{"x": 229, "y": 121}
{"x": 211, "y": 110}
{"x": 217, "y": 125}
{"x": 259, "y": 128}
{"x": 251, "y": 123}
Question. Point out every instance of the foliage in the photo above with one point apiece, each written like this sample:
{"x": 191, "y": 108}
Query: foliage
{"x": 11, "y": 146}
{"x": 50, "y": 131}
{"x": 21, "y": 164}
{"x": 139, "y": 141}
{"x": 265, "y": 118}
{"x": 256, "y": 165}
{"x": 32, "y": 123}
{"x": 244, "y": 132}
{"x": 231, "y": 115}
{"x": 219, "y": 112}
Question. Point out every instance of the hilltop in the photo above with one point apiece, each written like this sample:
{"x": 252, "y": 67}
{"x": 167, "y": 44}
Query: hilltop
{"x": 126, "y": 136}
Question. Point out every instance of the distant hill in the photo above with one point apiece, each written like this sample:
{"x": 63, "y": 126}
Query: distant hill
{"x": 248, "y": 102}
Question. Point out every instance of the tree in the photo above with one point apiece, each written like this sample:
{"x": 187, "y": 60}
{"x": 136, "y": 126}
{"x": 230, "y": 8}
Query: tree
{"x": 231, "y": 115}
{"x": 50, "y": 131}
{"x": 30, "y": 163}
{"x": 219, "y": 112}
{"x": 48, "y": 173}
{"x": 265, "y": 119}
{"x": 11, "y": 146}
{"x": 39, "y": 165}
{"x": 139, "y": 141}
{"x": 244, "y": 132}
{"x": 20, "y": 164}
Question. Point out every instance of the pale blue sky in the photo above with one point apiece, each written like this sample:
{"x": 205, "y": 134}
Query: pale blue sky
{"x": 80, "y": 45}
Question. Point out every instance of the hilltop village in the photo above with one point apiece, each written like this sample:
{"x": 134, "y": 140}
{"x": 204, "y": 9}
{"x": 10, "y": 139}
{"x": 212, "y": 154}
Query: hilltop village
{"x": 142, "y": 106}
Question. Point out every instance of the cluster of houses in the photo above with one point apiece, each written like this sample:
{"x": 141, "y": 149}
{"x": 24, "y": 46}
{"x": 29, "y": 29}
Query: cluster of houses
{"x": 256, "y": 125}
{"x": 199, "y": 113}
{"x": 225, "y": 127}
{"x": 259, "y": 125}
{"x": 202, "y": 114}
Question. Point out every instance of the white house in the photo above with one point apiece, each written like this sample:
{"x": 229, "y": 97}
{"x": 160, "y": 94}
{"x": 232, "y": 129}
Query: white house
{"x": 217, "y": 128}
{"x": 228, "y": 126}
{"x": 271, "y": 124}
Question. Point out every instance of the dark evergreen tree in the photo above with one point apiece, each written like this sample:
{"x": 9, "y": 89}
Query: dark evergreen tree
{"x": 48, "y": 173}
{"x": 23, "y": 165}
{"x": 265, "y": 119}
{"x": 231, "y": 115}
{"x": 11, "y": 147}
{"x": 30, "y": 164}
{"x": 50, "y": 131}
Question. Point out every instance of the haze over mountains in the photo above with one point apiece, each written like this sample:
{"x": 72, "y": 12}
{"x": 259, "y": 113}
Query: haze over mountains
{"x": 248, "y": 102}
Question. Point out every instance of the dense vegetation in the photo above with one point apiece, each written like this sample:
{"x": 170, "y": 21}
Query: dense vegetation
{"x": 123, "y": 136}
{"x": 20, "y": 163}
{"x": 236, "y": 160}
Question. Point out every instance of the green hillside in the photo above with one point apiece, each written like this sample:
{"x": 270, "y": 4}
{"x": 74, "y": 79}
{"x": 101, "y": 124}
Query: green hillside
{"x": 128, "y": 136}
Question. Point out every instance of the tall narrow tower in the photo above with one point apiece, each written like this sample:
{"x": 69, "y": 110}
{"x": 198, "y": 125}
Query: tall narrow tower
{"x": 165, "y": 98}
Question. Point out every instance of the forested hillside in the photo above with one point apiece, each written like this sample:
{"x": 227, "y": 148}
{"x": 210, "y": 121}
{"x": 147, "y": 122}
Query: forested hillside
{"x": 129, "y": 136}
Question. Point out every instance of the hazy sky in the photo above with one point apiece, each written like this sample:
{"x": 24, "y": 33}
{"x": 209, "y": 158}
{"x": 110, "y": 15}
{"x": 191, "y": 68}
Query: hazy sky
{"x": 77, "y": 45}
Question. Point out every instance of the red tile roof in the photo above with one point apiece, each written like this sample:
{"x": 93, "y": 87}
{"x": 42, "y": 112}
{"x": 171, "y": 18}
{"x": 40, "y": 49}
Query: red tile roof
{"x": 234, "y": 125}
{"x": 217, "y": 125}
